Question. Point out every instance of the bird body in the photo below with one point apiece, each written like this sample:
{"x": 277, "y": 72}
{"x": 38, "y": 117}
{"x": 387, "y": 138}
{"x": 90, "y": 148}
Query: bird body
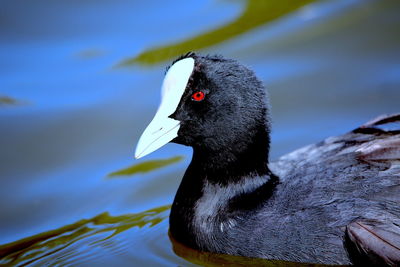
{"x": 334, "y": 202}
{"x": 298, "y": 219}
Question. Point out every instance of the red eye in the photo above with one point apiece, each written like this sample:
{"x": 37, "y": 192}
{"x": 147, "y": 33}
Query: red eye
{"x": 198, "y": 96}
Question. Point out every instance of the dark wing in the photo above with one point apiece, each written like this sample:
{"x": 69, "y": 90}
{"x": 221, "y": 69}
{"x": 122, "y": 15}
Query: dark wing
{"x": 385, "y": 144}
{"x": 377, "y": 242}
{"x": 372, "y": 243}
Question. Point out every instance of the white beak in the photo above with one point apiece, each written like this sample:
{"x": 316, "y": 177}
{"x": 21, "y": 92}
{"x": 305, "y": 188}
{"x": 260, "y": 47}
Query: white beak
{"x": 163, "y": 129}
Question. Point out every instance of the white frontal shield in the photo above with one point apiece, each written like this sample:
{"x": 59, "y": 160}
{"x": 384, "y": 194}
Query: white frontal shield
{"x": 163, "y": 129}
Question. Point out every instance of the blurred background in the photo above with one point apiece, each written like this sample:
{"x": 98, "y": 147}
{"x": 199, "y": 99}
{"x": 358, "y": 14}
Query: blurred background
{"x": 80, "y": 80}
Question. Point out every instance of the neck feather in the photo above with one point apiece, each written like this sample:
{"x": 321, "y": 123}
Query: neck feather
{"x": 244, "y": 158}
{"x": 218, "y": 186}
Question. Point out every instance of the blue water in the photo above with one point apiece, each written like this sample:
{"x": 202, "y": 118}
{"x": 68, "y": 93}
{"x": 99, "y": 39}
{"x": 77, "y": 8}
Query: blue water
{"x": 76, "y": 114}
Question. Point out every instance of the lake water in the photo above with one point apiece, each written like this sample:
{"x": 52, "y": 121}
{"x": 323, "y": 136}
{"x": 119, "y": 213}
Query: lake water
{"x": 80, "y": 80}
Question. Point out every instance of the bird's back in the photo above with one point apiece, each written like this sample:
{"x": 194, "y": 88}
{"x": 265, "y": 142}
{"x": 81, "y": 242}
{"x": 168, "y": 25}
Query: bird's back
{"x": 327, "y": 186}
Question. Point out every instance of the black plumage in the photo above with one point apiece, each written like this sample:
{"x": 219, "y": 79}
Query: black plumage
{"x": 307, "y": 206}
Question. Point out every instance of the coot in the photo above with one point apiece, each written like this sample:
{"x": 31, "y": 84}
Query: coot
{"x": 334, "y": 202}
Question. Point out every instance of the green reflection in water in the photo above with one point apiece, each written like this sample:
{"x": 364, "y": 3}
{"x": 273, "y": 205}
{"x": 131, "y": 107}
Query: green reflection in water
{"x": 31, "y": 249}
{"x": 146, "y": 166}
{"x": 256, "y": 13}
{"x": 8, "y": 101}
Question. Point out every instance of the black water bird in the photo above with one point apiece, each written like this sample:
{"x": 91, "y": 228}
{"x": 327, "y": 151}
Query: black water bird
{"x": 334, "y": 202}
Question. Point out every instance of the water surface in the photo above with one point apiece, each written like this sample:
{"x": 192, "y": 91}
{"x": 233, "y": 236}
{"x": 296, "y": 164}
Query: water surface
{"x": 80, "y": 80}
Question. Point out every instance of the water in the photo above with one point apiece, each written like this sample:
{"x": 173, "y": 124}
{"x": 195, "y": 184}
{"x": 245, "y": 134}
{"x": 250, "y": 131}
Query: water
{"x": 80, "y": 80}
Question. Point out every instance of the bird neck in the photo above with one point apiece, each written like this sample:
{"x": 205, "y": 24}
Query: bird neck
{"x": 218, "y": 187}
{"x": 239, "y": 159}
